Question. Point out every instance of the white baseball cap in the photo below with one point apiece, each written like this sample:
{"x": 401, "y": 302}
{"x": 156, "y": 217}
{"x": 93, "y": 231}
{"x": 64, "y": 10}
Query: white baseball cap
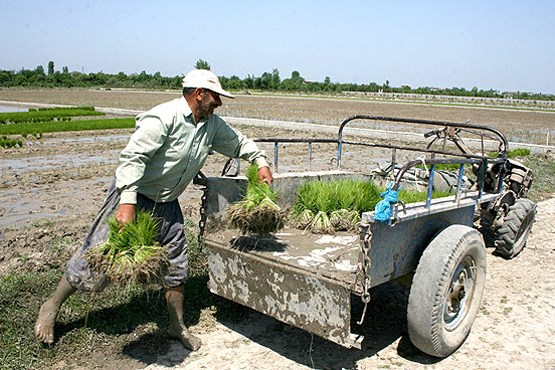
{"x": 205, "y": 79}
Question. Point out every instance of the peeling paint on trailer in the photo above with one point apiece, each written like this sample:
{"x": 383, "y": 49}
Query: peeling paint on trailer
{"x": 305, "y": 300}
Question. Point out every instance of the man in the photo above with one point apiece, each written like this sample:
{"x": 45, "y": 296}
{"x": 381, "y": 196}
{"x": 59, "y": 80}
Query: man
{"x": 168, "y": 148}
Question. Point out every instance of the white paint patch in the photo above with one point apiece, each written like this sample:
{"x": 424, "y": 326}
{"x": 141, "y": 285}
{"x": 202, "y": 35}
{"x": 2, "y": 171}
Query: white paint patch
{"x": 283, "y": 234}
{"x": 331, "y": 239}
{"x": 284, "y": 256}
{"x": 216, "y": 264}
{"x": 345, "y": 265}
{"x": 317, "y": 257}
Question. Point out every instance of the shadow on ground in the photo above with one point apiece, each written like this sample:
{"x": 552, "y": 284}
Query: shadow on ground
{"x": 385, "y": 323}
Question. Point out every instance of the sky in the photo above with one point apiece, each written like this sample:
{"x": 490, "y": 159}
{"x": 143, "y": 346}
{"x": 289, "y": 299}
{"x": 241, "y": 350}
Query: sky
{"x": 489, "y": 44}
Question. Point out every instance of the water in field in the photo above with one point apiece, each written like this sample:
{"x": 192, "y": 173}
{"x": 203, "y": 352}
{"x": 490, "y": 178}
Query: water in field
{"x": 12, "y": 108}
{"x": 19, "y": 166}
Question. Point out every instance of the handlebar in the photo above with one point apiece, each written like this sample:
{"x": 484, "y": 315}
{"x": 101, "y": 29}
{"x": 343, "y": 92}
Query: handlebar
{"x": 432, "y": 133}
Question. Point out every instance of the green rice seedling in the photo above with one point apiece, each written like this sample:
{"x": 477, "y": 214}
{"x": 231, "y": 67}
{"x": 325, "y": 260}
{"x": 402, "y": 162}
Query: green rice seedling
{"x": 258, "y": 212}
{"x": 349, "y": 220}
{"x": 47, "y": 115}
{"x": 333, "y": 205}
{"x": 340, "y": 219}
{"x": 304, "y": 219}
{"x": 345, "y": 194}
{"x": 81, "y": 125}
{"x": 131, "y": 254}
{"x": 327, "y": 199}
{"x": 325, "y": 207}
{"x": 9, "y": 143}
{"x": 306, "y": 199}
{"x": 321, "y": 224}
{"x": 367, "y": 195}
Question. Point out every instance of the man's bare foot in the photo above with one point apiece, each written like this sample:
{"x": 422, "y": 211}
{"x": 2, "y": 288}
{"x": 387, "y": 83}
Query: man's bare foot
{"x": 188, "y": 340}
{"x": 44, "y": 327}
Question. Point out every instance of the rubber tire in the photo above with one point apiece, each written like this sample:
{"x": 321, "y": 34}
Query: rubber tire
{"x": 447, "y": 181}
{"x": 428, "y": 329}
{"x": 512, "y": 236}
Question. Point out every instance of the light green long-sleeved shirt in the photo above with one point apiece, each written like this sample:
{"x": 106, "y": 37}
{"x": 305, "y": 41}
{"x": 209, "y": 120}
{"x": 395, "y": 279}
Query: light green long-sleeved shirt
{"x": 167, "y": 150}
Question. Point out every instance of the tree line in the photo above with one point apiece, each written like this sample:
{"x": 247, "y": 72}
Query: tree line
{"x": 268, "y": 81}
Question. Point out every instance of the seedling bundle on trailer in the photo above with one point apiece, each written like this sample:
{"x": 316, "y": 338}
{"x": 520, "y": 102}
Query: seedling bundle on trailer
{"x": 307, "y": 280}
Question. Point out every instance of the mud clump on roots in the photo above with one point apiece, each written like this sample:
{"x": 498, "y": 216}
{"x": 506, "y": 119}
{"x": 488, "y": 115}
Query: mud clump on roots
{"x": 260, "y": 220}
{"x": 131, "y": 255}
{"x": 258, "y": 212}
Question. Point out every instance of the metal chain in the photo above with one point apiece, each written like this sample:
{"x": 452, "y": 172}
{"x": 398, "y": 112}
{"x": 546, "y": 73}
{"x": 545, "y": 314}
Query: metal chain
{"x": 366, "y": 247}
{"x": 203, "y": 216}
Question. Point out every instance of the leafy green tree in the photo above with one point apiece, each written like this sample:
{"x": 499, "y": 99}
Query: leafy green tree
{"x": 249, "y": 81}
{"x": 202, "y": 64}
{"x": 50, "y": 68}
{"x": 295, "y": 83}
{"x": 6, "y": 78}
{"x": 274, "y": 85}
{"x": 39, "y": 70}
{"x": 265, "y": 82}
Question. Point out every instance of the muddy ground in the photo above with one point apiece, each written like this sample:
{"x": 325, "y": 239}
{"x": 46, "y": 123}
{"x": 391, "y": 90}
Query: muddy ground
{"x": 61, "y": 179}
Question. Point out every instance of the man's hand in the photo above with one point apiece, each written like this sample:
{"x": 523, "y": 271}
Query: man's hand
{"x": 125, "y": 213}
{"x": 264, "y": 174}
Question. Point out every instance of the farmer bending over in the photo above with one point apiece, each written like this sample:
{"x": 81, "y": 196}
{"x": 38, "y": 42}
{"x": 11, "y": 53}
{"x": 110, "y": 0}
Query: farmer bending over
{"x": 168, "y": 148}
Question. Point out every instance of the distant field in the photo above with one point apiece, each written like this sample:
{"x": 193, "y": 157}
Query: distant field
{"x": 518, "y": 125}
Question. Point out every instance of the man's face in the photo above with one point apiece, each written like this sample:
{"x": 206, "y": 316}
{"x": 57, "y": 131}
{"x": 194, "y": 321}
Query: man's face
{"x": 208, "y": 101}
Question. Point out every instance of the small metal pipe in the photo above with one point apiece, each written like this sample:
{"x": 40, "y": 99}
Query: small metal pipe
{"x": 459, "y": 183}
{"x": 310, "y": 155}
{"x": 430, "y": 186}
{"x": 393, "y": 159}
{"x": 481, "y": 177}
{"x": 276, "y": 156}
{"x": 339, "y": 148}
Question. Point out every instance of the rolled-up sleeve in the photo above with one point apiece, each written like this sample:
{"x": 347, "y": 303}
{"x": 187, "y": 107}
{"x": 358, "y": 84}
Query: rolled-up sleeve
{"x": 149, "y": 136}
{"x": 232, "y": 143}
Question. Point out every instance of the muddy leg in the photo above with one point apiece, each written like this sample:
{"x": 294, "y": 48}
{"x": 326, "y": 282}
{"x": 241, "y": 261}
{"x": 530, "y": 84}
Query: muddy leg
{"x": 177, "y": 329}
{"x": 44, "y": 327}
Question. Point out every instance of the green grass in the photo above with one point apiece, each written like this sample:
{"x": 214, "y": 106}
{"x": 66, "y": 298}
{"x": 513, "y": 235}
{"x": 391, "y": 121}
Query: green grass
{"x": 543, "y": 169}
{"x": 104, "y": 325}
{"x": 84, "y": 324}
{"x": 513, "y": 153}
{"x": 84, "y": 125}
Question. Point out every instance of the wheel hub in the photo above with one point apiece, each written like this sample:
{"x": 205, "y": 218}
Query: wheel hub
{"x": 459, "y": 294}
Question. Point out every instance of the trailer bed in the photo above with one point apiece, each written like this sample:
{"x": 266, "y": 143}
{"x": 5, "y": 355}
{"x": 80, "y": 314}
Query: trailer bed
{"x": 299, "y": 278}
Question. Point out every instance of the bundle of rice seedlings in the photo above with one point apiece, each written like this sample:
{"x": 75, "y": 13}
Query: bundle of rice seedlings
{"x": 344, "y": 219}
{"x": 321, "y": 224}
{"x": 325, "y": 207}
{"x": 131, "y": 254}
{"x": 333, "y": 205}
{"x": 304, "y": 219}
{"x": 258, "y": 212}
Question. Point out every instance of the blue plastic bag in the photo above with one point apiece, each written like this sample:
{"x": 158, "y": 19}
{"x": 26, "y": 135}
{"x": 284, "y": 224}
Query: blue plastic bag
{"x": 382, "y": 211}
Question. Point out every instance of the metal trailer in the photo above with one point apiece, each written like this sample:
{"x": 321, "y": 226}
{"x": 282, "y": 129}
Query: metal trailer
{"x": 308, "y": 280}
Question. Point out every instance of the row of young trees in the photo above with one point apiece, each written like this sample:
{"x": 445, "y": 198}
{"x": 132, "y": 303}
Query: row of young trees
{"x": 268, "y": 81}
